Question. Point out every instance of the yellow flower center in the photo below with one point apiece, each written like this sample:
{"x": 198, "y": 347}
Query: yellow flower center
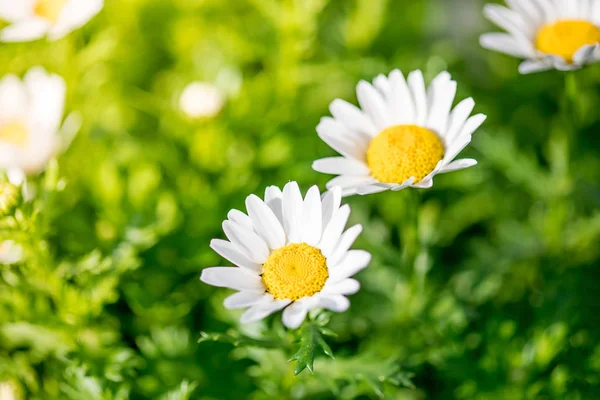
{"x": 295, "y": 271}
{"x": 13, "y": 133}
{"x": 49, "y": 9}
{"x": 564, "y": 38}
{"x": 403, "y": 151}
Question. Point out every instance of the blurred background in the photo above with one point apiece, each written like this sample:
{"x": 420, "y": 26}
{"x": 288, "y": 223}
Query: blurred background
{"x": 484, "y": 287}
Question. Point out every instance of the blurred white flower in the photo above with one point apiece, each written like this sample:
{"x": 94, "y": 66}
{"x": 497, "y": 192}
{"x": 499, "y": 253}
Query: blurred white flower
{"x": 31, "y": 113}
{"x": 403, "y": 135}
{"x": 34, "y": 19}
{"x": 10, "y": 253}
{"x": 560, "y": 34}
{"x": 291, "y": 253}
{"x": 7, "y": 392}
{"x": 201, "y": 100}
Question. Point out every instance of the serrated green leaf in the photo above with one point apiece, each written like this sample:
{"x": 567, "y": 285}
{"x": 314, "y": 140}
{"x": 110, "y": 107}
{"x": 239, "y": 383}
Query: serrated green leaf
{"x": 311, "y": 342}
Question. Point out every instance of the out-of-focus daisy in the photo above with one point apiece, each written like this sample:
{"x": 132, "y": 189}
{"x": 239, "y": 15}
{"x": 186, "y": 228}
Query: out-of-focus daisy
{"x": 290, "y": 253}
{"x": 561, "y": 34}
{"x": 201, "y": 100}
{"x": 10, "y": 252}
{"x": 35, "y": 19}
{"x": 31, "y": 113}
{"x": 404, "y": 135}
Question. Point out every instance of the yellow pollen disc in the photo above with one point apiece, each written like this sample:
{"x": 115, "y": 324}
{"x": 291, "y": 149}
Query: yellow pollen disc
{"x": 49, "y": 9}
{"x": 295, "y": 271}
{"x": 402, "y": 151}
{"x": 13, "y": 133}
{"x": 564, "y": 38}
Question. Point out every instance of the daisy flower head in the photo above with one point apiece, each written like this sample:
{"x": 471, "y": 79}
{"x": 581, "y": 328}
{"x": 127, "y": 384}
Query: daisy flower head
{"x": 403, "y": 135}
{"x": 291, "y": 253}
{"x": 31, "y": 113}
{"x": 201, "y": 100}
{"x": 35, "y": 19}
{"x": 560, "y": 34}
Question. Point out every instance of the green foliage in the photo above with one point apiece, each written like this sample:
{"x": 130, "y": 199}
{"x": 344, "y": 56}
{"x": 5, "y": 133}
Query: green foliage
{"x": 483, "y": 287}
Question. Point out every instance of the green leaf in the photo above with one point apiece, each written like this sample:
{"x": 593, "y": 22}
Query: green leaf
{"x": 311, "y": 342}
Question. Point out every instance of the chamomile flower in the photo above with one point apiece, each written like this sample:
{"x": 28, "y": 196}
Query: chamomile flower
{"x": 35, "y": 19}
{"x": 403, "y": 137}
{"x": 291, "y": 253}
{"x": 560, "y": 34}
{"x": 31, "y": 113}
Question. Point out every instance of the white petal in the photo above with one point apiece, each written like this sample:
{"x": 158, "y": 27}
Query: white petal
{"x": 273, "y": 198}
{"x": 330, "y": 204}
{"x": 382, "y": 85}
{"x": 528, "y": 11}
{"x": 265, "y": 222}
{"x": 531, "y": 66}
{"x": 507, "y": 44}
{"x": 371, "y": 188}
{"x": 585, "y": 54}
{"x": 232, "y": 278}
{"x": 26, "y": 30}
{"x": 345, "y": 287}
{"x": 352, "y": 117}
{"x": 472, "y": 124}
{"x": 337, "y": 137}
{"x": 47, "y": 98}
{"x": 441, "y": 96}
{"x": 243, "y": 300}
{"x": 341, "y": 166}
{"x": 457, "y": 165}
{"x": 509, "y": 20}
{"x": 353, "y": 262}
{"x": 240, "y": 218}
{"x": 292, "y": 211}
{"x": 248, "y": 242}
{"x": 424, "y": 184}
{"x": 416, "y": 84}
{"x": 549, "y": 10}
{"x": 312, "y": 217}
{"x": 260, "y": 311}
{"x": 456, "y": 147}
{"x": 294, "y": 315}
{"x": 230, "y": 252}
{"x": 402, "y": 109}
{"x": 74, "y": 15}
{"x": 13, "y": 99}
{"x": 334, "y": 229}
{"x": 336, "y": 302}
{"x": 344, "y": 244}
{"x": 349, "y": 182}
{"x": 458, "y": 117}
{"x": 404, "y": 184}
{"x": 14, "y": 11}
{"x": 373, "y": 104}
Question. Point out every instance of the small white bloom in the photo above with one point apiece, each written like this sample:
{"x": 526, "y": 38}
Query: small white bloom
{"x": 201, "y": 100}
{"x": 402, "y": 137}
{"x": 31, "y": 113}
{"x": 35, "y": 19}
{"x": 290, "y": 253}
{"x": 10, "y": 252}
{"x": 560, "y": 34}
{"x": 7, "y": 391}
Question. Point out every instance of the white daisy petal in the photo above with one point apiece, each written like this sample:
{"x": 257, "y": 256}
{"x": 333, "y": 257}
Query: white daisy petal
{"x": 404, "y": 184}
{"x": 74, "y": 15}
{"x": 371, "y": 188}
{"x": 248, "y": 242}
{"x": 353, "y": 262}
{"x": 243, "y": 300}
{"x": 294, "y": 315}
{"x": 352, "y": 117}
{"x": 401, "y": 102}
{"x": 13, "y": 99}
{"x": 312, "y": 217}
{"x": 416, "y": 83}
{"x": 346, "y": 287}
{"x": 344, "y": 244}
{"x": 381, "y": 83}
{"x": 341, "y": 166}
{"x": 586, "y": 54}
{"x": 265, "y": 222}
{"x": 240, "y": 218}
{"x": 230, "y": 252}
{"x": 528, "y": 11}
{"x": 292, "y": 211}
{"x": 232, "y": 278}
{"x": 349, "y": 182}
{"x": 330, "y": 203}
{"x": 373, "y": 104}
{"x": 507, "y": 44}
{"x": 531, "y": 66}
{"x": 458, "y": 117}
{"x": 23, "y": 31}
{"x": 334, "y": 229}
{"x": 336, "y": 302}
{"x": 456, "y": 148}
{"x": 424, "y": 184}
{"x": 441, "y": 95}
{"x": 338, "y": 138}
{"x": 508, "y": 19}
{"x": 262, "y": 310}
{"x": 457, "y": 165}
{"x": 273, "y": 198}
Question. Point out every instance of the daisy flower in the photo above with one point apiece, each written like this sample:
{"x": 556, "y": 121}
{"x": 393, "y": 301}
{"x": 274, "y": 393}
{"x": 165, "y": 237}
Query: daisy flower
{"x": 35, "y": 19}
{"x": 201, "y": 100}
{"x": 403, "y": 135}
{"x": 291, "y": 253}
{"x": 10, "y": 253}
{"x": 561, "y": 34}
{"x": 31, "y": 113}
